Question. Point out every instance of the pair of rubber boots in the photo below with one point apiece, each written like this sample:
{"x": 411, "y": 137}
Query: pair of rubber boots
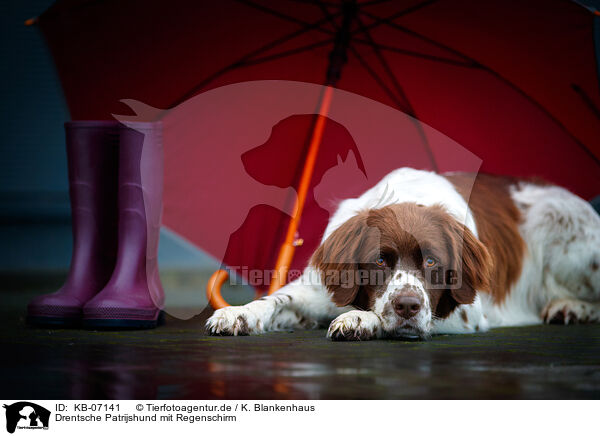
{"x": 115, "y": 188}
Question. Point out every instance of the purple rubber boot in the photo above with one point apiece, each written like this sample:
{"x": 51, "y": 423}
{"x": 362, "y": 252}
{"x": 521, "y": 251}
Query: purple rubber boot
{"x": 133, "y": 297}
{"x": 92, "y": 155}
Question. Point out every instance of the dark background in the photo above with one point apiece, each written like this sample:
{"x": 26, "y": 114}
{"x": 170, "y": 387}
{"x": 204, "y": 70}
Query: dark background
{"x": 34, "y": 200}
{"x": 35, "y": 231}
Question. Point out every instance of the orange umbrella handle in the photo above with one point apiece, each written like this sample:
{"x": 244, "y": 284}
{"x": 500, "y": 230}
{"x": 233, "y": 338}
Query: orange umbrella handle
{"x": 213, "y": 289}
{"x": 286, "y": 252}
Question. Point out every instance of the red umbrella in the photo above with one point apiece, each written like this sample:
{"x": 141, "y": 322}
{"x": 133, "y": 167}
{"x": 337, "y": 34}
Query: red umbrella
{"x": 514, "y": 83}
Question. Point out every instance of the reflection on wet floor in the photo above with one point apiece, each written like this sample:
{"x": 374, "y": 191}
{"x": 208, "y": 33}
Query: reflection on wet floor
{"x": 179, "y": 361}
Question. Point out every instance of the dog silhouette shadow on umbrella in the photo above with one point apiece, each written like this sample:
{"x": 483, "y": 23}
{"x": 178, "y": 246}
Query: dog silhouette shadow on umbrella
{"x": 244, "y": 193}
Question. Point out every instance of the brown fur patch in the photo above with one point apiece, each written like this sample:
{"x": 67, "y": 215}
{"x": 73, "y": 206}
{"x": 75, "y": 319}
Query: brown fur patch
{"x": 402, "y": 232}
{"x": 497, "y": 219}
{"x": 340, "y": 257}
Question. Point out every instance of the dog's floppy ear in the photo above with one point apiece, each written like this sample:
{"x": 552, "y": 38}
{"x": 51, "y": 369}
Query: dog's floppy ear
{"x": 473, "y": 263}
{"x": 338, "y": 260}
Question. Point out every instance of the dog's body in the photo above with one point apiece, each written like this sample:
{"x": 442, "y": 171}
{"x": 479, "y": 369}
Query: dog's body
{"x": 509, "y": 252}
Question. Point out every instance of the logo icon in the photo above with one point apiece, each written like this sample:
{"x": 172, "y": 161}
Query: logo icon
{"x": 26, "y": 415}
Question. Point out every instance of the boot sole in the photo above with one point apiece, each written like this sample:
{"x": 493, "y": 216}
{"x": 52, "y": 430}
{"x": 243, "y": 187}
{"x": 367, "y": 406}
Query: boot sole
{"x": 123, "y": 324}
{"x": 51, "y": 321}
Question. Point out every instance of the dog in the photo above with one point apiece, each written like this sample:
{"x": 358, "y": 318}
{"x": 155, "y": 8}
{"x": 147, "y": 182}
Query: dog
{"x": 422, "y": 253}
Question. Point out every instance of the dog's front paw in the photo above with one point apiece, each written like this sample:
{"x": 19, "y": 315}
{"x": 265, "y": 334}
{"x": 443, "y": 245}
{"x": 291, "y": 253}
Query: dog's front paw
{"x": 234, "y": 321}
{"x": 566, "y": 311}
{"x": 356, "y": 325}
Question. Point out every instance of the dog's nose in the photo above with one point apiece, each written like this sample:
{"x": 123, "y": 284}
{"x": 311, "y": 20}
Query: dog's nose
{"x": 406, "y": 306}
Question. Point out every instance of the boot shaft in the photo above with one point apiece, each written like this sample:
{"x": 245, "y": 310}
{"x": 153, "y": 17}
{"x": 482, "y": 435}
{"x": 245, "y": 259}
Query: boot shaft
{"x": 140, "y": 184}
{"x": 93, "y": 164}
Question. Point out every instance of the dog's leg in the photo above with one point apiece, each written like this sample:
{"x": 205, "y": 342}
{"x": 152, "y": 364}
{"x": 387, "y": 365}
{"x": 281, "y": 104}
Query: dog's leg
{"x": 356, "y": 325}
{"x": 571, "y": 311}
{"x": 302, "y": 303}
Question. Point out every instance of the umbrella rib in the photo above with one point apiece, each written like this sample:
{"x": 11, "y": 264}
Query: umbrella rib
{"x": 382, "y": 84}
{"x": 375, "y": 76}
{"x": 388, "y": 21}
{"x": 388, "y": 91}
{"x": 378, "y": 21}
{"x": 386, "y": 67}
{"x": 377, "y": 79}
{"x": 402, "y": 94}
{"x": 328, "y": 15}
{"x": 381, "y": 20}
{"x": 286, "y": 53}
{"x": 420, "y": 55}
{"x": 281, "y": 15}
{"x": 586, "y": 99}
{"x": 240, "y": 61}
{"x": 492, "y": 72}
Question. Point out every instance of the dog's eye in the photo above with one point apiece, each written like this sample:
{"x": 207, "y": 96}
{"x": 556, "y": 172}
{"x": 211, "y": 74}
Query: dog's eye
{"x": 429, "y": 262}
{"x": 380, "y": 261}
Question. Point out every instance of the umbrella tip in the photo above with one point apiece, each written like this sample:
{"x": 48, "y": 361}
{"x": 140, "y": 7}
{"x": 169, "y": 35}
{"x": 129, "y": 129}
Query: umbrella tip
{"x": 31, "y": 21}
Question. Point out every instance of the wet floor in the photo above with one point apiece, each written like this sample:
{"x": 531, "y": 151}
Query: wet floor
{"x": 178, "y": 361}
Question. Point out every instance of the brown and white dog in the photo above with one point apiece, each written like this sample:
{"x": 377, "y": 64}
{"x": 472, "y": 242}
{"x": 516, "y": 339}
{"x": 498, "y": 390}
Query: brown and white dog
{"x": 422, "y": 253}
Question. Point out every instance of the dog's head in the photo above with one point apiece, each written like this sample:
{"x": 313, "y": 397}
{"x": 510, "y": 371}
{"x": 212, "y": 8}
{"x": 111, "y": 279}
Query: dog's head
{"x": 407, "y": 263}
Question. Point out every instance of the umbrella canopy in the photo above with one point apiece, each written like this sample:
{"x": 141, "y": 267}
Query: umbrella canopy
{"x": 515, "y": 83}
